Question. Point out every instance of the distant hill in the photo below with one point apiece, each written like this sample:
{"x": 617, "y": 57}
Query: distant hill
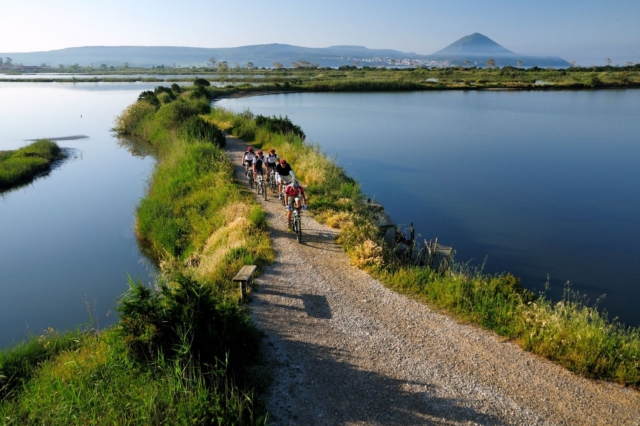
{"x": 478, "y": 49}
{"x": 263, "y": 55}
{"x": 475, "y": 48}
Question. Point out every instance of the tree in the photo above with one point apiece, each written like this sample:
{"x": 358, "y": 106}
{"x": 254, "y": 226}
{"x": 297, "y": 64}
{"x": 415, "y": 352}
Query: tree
{"x": 277, "y": 65}
{"x": 572, "y": 64}
{"x": 491, "y": 63}
{"x": 103, "y": 66}
{"x": 629, "y": 64}
{"x": 250, "y": 65}
{"x": 223, "y": 66}
{"x": 212, "y": 62}
{"x": 8, "y": 61}
{"x": 466, "y": 62}
{"x": 519, "y": 63}
{"x": 237, "y": 65}
{"x": 295, "y": 65}
{"x": 1, "y": 62}
{"x": 608, "y": 61}
{"x": 126, "y": 64}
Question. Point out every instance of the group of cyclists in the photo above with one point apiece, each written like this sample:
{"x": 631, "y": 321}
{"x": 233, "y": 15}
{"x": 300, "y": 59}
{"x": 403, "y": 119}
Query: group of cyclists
{"x": 288, "y": 186}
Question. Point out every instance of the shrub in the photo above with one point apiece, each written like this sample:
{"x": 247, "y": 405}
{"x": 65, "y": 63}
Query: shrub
{"x": 133, "y": 115}
{"x": 196, "y": 129}
{"x": 201, "y": 82}
{"x": 200, "y": 92}
{"x": 149, "y": 97}
{"x": 170, "y": 116}
{"x": 186, "y": 320}
{"x": 279, "y": 125}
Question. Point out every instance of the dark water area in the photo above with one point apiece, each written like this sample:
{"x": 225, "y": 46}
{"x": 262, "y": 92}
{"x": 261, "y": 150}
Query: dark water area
{"x": 67, "y": 244}
{"x": 540, "y": 184}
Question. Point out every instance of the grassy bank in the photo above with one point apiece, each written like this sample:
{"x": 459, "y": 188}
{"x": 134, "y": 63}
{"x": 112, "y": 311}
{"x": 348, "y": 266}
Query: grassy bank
{"x": 25, "y": 163}
{"x": 184, "y": 352}
{"x": 569, "y": 332}
{"x": 350, "y": 78}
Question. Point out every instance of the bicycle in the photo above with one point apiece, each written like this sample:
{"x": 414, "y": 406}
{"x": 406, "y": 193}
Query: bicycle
{"x": 296, "y": 225}
{"x": 250, "y": 177}
{"x": 272, "y": 181}
{"x": 261, "y": 186}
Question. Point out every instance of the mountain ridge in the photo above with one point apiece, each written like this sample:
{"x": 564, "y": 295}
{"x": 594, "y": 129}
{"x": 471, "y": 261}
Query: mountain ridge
{"x": 474, "y": 49}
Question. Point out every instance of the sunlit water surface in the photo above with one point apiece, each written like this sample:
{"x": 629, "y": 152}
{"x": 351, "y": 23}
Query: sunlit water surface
{"x": 67, "y": 244}
{"x": 537, "y": 183}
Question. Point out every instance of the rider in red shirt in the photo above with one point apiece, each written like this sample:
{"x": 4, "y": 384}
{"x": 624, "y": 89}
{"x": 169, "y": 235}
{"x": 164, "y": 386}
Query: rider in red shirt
{"x": 293, "y": 194}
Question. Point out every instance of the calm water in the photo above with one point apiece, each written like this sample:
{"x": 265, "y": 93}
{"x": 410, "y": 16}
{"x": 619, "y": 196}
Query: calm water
{"x": 537, "y": 183}
{"x": 45, "y": 76}
{"x": 66, "y": 240}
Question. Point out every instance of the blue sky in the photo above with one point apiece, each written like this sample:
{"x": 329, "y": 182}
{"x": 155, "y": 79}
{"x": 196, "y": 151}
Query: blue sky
{"x": 587, "y": 31}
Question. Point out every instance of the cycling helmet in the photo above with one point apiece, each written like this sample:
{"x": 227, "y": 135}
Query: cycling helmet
{"x": 295, "y": 184}
{"x": 250, "y": 149}
{"x": 283, "y": 161}
{"x": 273, "y": 151}
{"x": 260, "y": 152}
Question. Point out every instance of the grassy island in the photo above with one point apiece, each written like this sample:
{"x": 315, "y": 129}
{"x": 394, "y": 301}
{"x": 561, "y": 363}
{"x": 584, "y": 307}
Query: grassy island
{"x": 25, "y": 163}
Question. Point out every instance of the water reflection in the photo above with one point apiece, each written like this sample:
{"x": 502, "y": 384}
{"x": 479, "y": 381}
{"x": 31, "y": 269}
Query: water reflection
{"x": 68, "y": 240}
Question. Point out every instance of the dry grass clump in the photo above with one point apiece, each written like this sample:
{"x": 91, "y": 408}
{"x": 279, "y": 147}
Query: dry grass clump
{"x": 340, "y": 220}
{"x": 367, "y": 255}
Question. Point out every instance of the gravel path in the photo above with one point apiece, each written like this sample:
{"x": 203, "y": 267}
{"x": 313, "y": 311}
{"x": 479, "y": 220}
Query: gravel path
{"x": 343, "y": 349}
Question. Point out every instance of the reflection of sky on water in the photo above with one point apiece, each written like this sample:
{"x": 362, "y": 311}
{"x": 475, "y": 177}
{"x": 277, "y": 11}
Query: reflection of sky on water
{"x": 540, "y": 182}
{"x": 67, "y": 239}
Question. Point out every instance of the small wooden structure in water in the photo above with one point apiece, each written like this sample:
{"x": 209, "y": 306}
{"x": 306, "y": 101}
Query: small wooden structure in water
{"x": 431, "y": 254}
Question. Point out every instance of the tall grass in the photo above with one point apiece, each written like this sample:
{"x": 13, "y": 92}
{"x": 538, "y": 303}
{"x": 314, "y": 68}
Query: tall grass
{"x": 97, "y": 384}
{"x": 27, "y": 162}
{"x": 570, "y": 332}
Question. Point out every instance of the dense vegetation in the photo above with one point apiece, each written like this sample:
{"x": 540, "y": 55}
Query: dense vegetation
{"x": 27, "y": 162}
{"x": 351, "y": 78}
{"x": 569, "y": 332}
{"x": 185, "y": 352}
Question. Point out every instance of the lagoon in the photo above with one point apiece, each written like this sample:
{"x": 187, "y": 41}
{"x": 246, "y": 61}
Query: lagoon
{"x": 67, "y": 244}
{"x": 545, "y": 185}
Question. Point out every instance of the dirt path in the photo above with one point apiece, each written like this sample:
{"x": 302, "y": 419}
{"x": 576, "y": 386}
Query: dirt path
{"x": 346, "y": 350}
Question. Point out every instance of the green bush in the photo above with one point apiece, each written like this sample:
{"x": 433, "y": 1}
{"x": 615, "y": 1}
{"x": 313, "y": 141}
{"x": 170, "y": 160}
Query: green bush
{"x": 201, "y": 82}
{"x": 279, "y": 125}
{"x": 170, "y": 116}
{"x": 186, "y": 320}
{"x": 196, "y": 129}
{"x": 149, "y": 97}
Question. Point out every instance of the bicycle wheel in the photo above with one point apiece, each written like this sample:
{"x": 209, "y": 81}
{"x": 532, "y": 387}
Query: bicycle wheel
{"x": 297, "y": 227}
{"x": 264, "y": 190}
{"x": 258, "y": 185}
{"x": 250, "y": 176}
{"x": 272, "y": 183}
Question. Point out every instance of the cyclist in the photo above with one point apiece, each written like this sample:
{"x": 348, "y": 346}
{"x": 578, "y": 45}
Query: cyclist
{"x": 283, "y": 171}
{"x": 272, "y": 159}
{"x": 258, "y": 161}
{"x": 293, "y": 194}
{"x": 247, "y": 159}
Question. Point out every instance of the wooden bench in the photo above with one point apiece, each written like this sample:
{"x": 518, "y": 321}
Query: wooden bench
{"x": 244, "y": 278}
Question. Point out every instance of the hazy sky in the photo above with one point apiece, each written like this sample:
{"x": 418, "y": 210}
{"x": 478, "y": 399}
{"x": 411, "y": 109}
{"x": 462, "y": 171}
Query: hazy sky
{"x": 588, "y": 31}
